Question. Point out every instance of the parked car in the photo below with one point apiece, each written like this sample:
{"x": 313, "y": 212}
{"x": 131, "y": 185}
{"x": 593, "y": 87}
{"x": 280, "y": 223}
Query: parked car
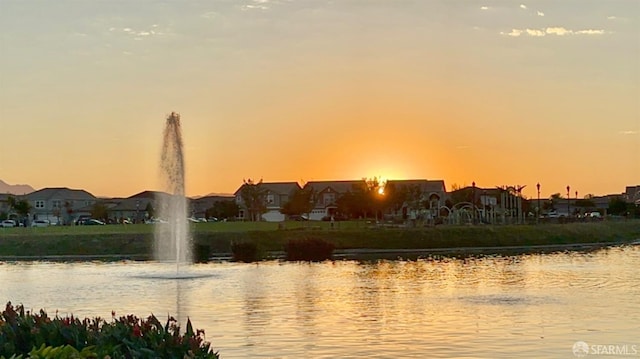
{"x": 554, "y": 214}
{"x": 93, "y": 222}
{"x": 594, "y": 215}
{"x": 82, "y": 219}
{"x": 296, "y": 217}
{"x": 40, "y": 223}
{"x": 8, "y": 223}
{"x": 155, "y": 221}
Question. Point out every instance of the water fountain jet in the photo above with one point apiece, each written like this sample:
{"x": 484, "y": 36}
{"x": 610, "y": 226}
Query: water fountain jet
{"x": 172, "y": 239}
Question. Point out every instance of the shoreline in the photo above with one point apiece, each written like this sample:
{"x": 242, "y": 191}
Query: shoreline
{"x": 215, "y": 243}
{"x": 356, "y": 254}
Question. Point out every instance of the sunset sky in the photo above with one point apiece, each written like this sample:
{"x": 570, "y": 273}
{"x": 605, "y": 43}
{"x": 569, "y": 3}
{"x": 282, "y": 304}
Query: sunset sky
{"x": 496, "y": 92}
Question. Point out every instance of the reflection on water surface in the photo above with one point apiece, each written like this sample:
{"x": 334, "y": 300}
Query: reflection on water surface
{"x": 524, "y": 306}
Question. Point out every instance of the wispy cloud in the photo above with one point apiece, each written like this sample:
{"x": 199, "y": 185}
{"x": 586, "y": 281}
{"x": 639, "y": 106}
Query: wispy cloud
{"x": 560, "y": 31}
{"x": 628, "y": 133}
{"x": 138, "y": 34}
{"x": 535, "y": 32}
{"x": 612, "y": 17}
{"x": 589, "y": 32}
{"x": 557, "y": 31}
{"x": 484, "y": 8}
{"x": 523, "y": 6}
{"x": 513, "y": 33}
{"x": 256, "y": 5}
{"x": 210, "y": 15}
{"x": 540, "y": 13}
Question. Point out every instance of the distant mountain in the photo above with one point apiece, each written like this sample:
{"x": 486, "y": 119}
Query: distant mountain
{"x": 17, "y": 189}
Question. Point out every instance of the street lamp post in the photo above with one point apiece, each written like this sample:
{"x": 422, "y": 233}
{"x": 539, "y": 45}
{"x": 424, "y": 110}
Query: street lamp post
{"x": 568, "y": 201}
{"x": 473, "y": 202}
{"x": 538, "y": 209}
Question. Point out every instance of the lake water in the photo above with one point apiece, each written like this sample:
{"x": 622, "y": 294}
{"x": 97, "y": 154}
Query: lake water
{"x": 518, "y": 306}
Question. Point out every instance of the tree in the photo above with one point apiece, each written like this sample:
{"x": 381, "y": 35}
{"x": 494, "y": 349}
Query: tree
{"x": 254, "y": 198}
{"x": 68, "y": 206}
{"x": 617, "y": 206}
{"x": 375, "y": 199}
{"x": 223, "y": 209}
{"x": 151, "y": 212}
{"x": 585, "y": 203}
{"x": 301, "y": 201}
{"x": 414, "y": 198}
{"x": 100, "y": 211}
{"x": 22, "y": 207}
{"x": 461, "y": 194}
{"x": 349, "y": 204}
{"x": 394, "y": 197}
{"x": 11, "y": 203}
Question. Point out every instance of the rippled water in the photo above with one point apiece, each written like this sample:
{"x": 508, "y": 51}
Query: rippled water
{"x": 518, "y": 306}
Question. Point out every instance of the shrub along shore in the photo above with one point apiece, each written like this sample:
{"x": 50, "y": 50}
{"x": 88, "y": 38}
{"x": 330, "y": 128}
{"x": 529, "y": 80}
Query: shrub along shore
{"x": 136, "y": 241}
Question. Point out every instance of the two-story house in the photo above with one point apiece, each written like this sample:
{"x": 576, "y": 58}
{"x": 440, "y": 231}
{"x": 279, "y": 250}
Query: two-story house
{"x": 199, "y": 206}
{"x": 327, "y": 194}
{"x": 59, "y": 204}
{"x": 275, "y": 195}
{"x": 423, "y": 197}
{"x": 632, "y": 194}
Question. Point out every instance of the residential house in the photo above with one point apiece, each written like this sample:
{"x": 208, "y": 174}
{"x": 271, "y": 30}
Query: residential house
{"x": 59, "y": 204}
{"x": 426, "y": 197}
{"x": 632, "y": 194}
{"x": 134, "y": 208}
{"x": 276, "y": 194}
{"x": 327, "y": 194}
{"x": 199, "y": 206}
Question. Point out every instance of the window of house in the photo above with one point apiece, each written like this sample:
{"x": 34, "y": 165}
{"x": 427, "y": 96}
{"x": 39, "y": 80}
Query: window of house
{"x": 39, "y": 204}
{"x": 55, "y": 204}
{"x": 270, "y": 199}
{"x": 329, "y": 198}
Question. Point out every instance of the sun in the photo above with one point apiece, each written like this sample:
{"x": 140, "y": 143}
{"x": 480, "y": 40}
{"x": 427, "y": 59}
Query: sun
{"x": 381, "y": 190}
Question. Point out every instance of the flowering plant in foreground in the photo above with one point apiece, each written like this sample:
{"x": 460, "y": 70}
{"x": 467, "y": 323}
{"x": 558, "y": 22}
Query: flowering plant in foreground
{"x": 36, "y": 335}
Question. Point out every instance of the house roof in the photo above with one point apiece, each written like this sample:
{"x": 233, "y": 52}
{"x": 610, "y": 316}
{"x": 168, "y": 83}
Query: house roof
{"x": 425, "y": 185}
{"x": 60, "y": 193}
{"x": 337, "y": 186}
{"x": 203, "y": 203}
{"x": 133, "y": 204}
{"x": 275, "y": 187}
{"x": 148, "y": 194}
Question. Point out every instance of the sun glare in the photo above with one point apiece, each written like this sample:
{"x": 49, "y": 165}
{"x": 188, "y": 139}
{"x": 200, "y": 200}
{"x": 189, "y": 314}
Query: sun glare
{"x": 381, "y": 190}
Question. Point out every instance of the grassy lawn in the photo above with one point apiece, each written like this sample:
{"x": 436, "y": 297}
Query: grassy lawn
{"x": 209, "y": 227}
{"x": 138, "y": 239}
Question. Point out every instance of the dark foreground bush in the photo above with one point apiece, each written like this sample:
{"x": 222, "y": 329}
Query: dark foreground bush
{"x": 36, "y": 335}
{"x": 245, "y": 252}
{"x": 308, "y": 249}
